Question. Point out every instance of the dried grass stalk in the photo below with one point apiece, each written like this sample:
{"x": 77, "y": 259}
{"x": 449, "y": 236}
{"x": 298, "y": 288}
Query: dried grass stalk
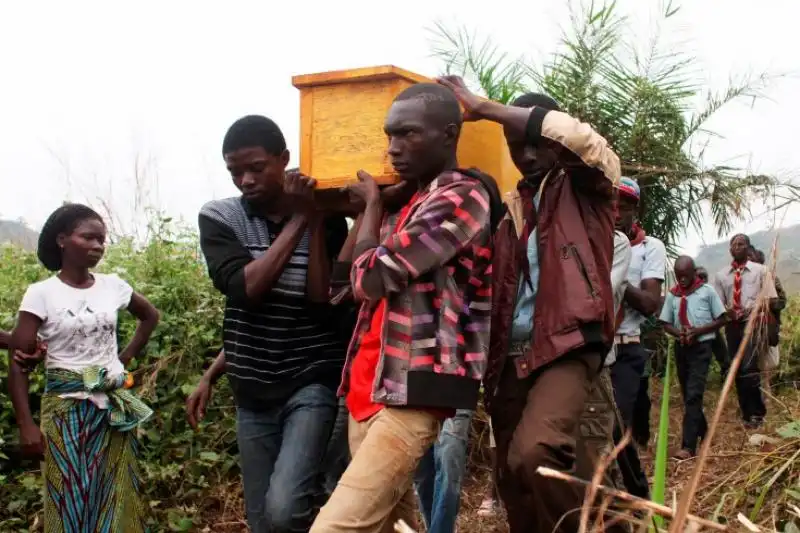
{"x": 401, "y": 527}
{"x": 633, "y": 501}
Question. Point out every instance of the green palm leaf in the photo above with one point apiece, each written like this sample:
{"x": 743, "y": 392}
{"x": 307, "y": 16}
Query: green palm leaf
{"x": 642, "y": 101}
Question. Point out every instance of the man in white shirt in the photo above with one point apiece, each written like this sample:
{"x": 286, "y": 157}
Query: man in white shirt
{"x": 641, "y": 300}
{"x": 739, "y": 285}
{"x": 599, "y": 415}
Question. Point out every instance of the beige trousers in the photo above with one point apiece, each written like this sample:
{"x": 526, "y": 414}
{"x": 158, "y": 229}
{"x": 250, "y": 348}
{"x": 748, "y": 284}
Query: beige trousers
{"x": 377, "y": 488}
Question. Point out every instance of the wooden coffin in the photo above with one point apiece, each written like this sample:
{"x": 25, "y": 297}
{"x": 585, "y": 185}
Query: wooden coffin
{"x": 341, "y": 128}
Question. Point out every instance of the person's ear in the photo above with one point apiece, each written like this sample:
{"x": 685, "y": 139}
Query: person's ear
{"x": 284, "y": 157}
{"x": 451, "y": 133}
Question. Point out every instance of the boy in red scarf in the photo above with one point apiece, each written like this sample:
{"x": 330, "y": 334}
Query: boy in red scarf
{"x": 693, "y": 313}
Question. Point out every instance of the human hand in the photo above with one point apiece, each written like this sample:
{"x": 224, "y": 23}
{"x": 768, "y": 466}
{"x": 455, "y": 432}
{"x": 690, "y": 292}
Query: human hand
{"x": 366, "y": 190}
{"x": 31, "y": 441}
{"x": 299, "y": 191}
{"x": 736, "y": 314}
{"x": 197, "y": 402}
{"x": 28, "y": 362}
{"x": 471, "y": 102}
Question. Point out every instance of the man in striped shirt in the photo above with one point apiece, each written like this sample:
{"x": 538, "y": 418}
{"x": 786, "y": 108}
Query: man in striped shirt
{"x": 269, "y": 252}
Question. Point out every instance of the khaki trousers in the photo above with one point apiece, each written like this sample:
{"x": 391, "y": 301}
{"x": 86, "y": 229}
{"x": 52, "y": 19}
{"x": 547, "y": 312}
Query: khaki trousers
{"x": 376, "y": 490}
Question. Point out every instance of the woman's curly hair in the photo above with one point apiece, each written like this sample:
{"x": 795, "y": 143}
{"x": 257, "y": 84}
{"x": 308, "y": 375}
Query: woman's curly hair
{"x": 63, "y": 220}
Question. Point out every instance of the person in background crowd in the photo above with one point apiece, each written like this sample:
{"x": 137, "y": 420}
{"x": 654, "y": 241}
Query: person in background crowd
{"x": 776, "y": 308}
{"x": 269, "y": 251}
{"x": 344, "y": 314}
{"x": 89, "y": 416}
{"x": 598, "y": 422}
{"x": 38, "y": 355}
{"x": 718, "y": 346}
{"x": 491, "y": 497}
{"x": 778, "y": 305}
{"x": 423, "y": 276}
{"x": 640, "y": 423}
{"x": 692, "y": 313}
{"x": 739, "y": 286}
{"x": 642, "y": 298}
{"x": 548, "y": 340}
{"x": 440, "y": 473}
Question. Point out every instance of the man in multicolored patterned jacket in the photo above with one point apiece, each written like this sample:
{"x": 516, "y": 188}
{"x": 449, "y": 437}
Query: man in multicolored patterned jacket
{"x": 423, "y": 275}
{"x": 552, "y": 302}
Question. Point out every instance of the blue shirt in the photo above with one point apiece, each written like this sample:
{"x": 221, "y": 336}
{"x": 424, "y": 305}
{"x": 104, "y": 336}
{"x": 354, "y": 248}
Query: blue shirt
{"x": 703, "y": 307}
{"x": 522, "y": 323}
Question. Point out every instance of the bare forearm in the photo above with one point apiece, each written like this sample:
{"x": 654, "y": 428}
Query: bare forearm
{"x": 370, "y": 228}
{"x": 514, "y": 119}
{"x": 18, "y": 390}
{"x": 713, "y": 327}
{"x": 641, "y": 300}
{"x": 671, "y": 330}
{"x": 140, "y": 338}
{"x": 346, "y": 253}
{"x": 319, "y": 268}
{"x": 260, "y": 275}
{"x": 216, "y": 369}
{"x": 5, "y": 340}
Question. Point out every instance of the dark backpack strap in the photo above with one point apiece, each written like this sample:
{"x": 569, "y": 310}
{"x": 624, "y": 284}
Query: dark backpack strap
{"x": 496, "y": 205}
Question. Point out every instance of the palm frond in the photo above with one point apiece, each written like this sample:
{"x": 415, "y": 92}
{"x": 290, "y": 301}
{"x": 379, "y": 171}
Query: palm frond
{"x": 642, "y": 101}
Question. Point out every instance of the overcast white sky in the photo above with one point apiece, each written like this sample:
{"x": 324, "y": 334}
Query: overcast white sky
{"x": 89, "y": 85}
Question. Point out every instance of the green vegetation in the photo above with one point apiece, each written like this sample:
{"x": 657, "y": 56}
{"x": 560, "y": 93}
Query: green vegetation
{"x": 183, "y": 469}
{"x": 642, "y": 101}
{"x": 192, "y": 479}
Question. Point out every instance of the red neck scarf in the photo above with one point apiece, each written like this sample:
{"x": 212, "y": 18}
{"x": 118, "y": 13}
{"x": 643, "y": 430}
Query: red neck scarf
{"x": 738, "y": 268}
{"x": 683, "y": 294}
{"x": 638, "y": 234}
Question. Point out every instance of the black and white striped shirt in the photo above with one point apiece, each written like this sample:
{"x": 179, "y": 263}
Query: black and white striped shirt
{"x": 284, "y": 342}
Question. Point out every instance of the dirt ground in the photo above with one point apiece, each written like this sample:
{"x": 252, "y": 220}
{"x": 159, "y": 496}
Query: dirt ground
{"x": 729, "y": 447}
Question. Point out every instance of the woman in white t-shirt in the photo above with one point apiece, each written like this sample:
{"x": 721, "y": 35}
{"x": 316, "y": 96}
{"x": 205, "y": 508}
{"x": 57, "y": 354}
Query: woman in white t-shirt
{"x": 88, "y": 413}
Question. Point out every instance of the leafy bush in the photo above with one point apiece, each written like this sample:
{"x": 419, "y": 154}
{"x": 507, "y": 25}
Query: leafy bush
{"x": 191, "y": 478}
{"x": 182, "y": 468}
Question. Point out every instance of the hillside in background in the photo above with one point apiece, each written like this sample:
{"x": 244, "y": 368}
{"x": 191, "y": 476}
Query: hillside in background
{"x": 716, "y": 256}
{"x": 12, "y": 232}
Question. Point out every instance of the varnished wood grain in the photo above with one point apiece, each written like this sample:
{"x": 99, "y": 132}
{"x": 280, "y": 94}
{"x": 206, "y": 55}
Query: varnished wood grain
{"x": 341, "y": 128}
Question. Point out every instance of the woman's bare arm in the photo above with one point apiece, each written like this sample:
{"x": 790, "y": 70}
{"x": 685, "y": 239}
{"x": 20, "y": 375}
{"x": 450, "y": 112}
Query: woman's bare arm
{"x": 148, "y": 318}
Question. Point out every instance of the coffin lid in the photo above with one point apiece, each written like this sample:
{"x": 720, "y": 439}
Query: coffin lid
{"x": 334, "y": 77}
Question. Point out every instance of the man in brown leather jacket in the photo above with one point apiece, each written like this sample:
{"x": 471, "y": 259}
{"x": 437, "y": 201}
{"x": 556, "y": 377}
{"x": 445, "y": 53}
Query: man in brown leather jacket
{"x": 548, "y": 339}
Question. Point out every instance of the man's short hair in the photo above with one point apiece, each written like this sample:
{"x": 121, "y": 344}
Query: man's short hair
{"x": 440, "y": 102}
{"x": 254, "y": 131}
{"x": 536, "y": 100}
{"x": 685, "y": 260}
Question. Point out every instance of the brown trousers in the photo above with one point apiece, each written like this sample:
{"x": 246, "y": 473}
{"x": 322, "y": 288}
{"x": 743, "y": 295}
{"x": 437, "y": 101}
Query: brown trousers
{"x": 541, "y": 421}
